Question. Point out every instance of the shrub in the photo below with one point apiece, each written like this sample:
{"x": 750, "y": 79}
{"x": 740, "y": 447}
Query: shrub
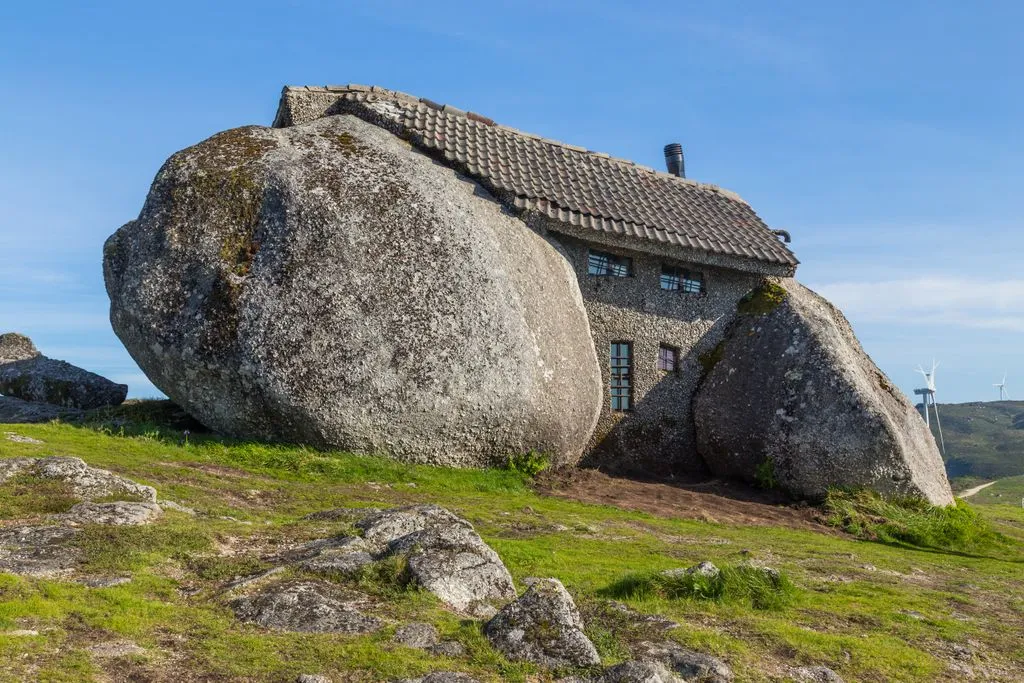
{"x": 529, "y": 464}
{"x": 913, "y": 521}
{"x": 757, "y": 587}
{"x": 764, "y": 475}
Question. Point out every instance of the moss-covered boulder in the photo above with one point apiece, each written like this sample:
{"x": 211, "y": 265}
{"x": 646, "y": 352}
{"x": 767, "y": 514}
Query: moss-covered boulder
{"x": 326, "y": 284}
{"x": 794, "y": 402}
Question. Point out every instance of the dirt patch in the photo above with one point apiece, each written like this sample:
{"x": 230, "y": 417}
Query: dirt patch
{"x": 710, "y": 501}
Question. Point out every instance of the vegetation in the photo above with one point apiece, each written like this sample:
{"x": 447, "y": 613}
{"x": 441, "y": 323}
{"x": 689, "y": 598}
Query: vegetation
{"x": 983, "y": 440}
{"x": 914, "y": 522}
{"x": 529, "y": 464}
{"x": 762, "y": 300}
{"x": 888, "y": 601}
{"x": 746, "y": 585}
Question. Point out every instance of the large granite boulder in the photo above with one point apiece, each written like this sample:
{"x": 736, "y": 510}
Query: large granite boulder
{"x": 326, "y": 284}
{"x": 795, "y": 402}
{"x": 28, "y": 375}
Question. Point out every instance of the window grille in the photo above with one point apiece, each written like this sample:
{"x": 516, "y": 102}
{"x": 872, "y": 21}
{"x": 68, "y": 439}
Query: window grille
{"x": 621, "y": 388}
{"x": 611, "y": 265}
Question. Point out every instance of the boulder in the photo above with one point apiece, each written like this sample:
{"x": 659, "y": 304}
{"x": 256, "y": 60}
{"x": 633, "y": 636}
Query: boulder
{"x": 544, "y": 627}
{"x": 639, "y": 672}
{"x": 442, "y": 677}
{"x": 444, "y": 555}
{"x": 17, "y": 411}
{"x": 794, "y": 402}
{"x": 419, "y": 636}
{"x": 326, "y": 284}
{"x": 30, "y": 376}
{"x": 306, "y": 606}
{"x": 687, "y": 664}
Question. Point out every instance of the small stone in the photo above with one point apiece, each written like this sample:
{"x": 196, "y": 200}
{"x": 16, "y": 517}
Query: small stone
{"x": 21, "y": 632}
{"x": 312, "y": 678}
{"x": 104, "y": 581}
{"x": 447, "y": 648}
{"x": 442, "y": 677}
{"x": 119, "y": 513}
{"x": 419, "y": 636}
{"x": 639, "y": 672}
{"x": 706, "y": 569}
{"x": 115, "y": 649}
{"x": 40, "y": 551}
{"x": 814, "y": 674}
{"x": 18, "y": 438}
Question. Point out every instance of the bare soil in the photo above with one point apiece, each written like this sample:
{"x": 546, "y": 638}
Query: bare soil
{"x": 708, "y": 500}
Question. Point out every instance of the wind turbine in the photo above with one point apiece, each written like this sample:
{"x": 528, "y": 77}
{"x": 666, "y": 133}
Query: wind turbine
{"x": 927, "y": 395}
{"x": 1003, "y": 395}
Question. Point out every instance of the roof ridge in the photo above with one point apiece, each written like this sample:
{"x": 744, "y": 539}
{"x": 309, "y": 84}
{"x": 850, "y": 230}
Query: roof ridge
{"x": 479, "y": 118}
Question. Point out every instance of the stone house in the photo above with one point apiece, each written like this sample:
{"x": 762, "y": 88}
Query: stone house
{"x": 662, "y": 261}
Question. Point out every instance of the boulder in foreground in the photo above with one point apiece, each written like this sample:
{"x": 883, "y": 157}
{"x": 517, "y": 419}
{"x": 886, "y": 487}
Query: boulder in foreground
{"x": 795, "y": 402}
{"x": 544, "y": 627}
{"x": 326, "y": 284}
{"x": 28, "y": 375}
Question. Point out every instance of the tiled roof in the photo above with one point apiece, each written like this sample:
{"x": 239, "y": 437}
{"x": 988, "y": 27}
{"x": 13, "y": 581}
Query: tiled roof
{"x": 568, "y": 184}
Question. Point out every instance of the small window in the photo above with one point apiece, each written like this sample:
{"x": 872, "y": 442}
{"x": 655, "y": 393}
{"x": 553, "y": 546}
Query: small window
{"x": 668, "y": 358}
{"x": 675, "y": 279}
{"x": 603, "y": 263}
{"x": 621, "y": 379}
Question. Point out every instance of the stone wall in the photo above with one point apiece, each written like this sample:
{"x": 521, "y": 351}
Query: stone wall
{"x": 657, "y": 436}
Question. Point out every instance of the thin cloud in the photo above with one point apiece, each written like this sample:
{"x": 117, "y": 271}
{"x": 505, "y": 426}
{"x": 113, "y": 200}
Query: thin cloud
{"x": 933, "y": 300}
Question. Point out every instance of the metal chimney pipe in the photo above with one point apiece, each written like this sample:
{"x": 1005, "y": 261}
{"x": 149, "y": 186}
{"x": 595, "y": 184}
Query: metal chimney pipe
{"x": 674, "y": 159}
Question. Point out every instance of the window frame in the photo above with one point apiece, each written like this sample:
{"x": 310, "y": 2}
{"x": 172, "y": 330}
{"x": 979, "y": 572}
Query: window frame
{"x": 620, "y": 376}
{"x": 612, "y": 262}
{"x": 674, "y": 350}
{"x": 684, "y": 280}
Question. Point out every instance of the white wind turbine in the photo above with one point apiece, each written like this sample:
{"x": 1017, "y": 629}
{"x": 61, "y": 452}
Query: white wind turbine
{"x": 1003, "y": 394}
{"x": 927, "y": 395}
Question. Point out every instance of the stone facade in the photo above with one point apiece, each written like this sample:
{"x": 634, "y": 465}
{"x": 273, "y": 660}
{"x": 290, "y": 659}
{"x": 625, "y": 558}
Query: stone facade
{"x": 657, "y": 436}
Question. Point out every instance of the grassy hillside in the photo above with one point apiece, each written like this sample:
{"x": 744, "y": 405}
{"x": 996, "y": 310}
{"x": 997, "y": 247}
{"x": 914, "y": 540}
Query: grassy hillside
{"x": 983, "y": 440}
{"x": 873, "y": 610}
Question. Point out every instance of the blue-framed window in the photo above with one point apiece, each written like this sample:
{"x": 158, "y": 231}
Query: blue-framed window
{"x": 621, "y": 378}
{"x": 609, "y": 265}
{"x": 676, "y": 279}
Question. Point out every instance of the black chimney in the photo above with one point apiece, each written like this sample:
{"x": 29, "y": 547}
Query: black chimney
{"x": 674, "y": 159}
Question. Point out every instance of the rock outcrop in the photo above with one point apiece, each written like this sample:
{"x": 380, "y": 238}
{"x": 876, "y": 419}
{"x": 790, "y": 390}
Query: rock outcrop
{"x": 443, "y": 555}
{"x": 306, "y": 606}
{"x": 86, "y": 482}
{"x": 28, "y": 375}
{"x": 326, "y": 284}
{"x": 544, "y": 627}
{"x": 795, "y": 402}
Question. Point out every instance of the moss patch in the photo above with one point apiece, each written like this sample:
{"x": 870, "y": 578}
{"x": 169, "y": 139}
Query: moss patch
{"x": 762, "y": 300}
{"x": 709, "y": 359}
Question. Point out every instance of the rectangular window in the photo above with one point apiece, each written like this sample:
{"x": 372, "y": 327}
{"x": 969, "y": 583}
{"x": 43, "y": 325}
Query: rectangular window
{"x": 668, "y": 358}
{"x": 603, "y": 263}
{"x": 621, "y": 388}
{"x": 675, "y": 279}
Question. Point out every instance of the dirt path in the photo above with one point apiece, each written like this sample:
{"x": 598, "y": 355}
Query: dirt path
{"x": 712, "y": 501}
{"x": 970, "y": 492}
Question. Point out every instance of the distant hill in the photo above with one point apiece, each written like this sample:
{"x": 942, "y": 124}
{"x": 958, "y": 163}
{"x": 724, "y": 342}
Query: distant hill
{"x": 984, "y": 439}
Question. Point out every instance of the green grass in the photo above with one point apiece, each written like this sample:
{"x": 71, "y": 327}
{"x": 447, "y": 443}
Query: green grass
{"x": 744, "y": 585}
{"x": 984, "y": 440}
{"x": 847, "y": 601}
{"x": 913, "y": 522}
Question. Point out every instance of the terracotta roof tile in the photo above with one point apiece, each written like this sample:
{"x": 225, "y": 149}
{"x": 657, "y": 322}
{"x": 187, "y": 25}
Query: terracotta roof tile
{"x": 567, "y": 183}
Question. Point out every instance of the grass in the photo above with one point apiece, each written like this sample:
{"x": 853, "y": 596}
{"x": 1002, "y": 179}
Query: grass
{"x": 744, "y": 585}
{"x": 913, "y": 522}
{"x": 883, "y": 603}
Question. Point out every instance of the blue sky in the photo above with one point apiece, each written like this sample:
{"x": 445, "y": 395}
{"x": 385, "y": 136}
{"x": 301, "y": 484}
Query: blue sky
{"x": 885, "y": 136}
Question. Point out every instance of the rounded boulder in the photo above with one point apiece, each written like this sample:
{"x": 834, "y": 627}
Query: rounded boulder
{"x": 327, "y": 284}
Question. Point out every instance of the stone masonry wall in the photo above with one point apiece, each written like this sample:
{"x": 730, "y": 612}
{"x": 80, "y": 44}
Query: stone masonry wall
{"x": 657, "y": 436}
